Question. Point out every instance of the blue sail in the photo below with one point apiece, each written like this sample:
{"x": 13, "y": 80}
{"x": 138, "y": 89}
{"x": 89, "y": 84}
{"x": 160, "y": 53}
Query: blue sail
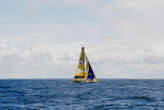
{"x": 90, "y": 73}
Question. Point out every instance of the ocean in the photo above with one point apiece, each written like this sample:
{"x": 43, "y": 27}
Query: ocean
{"x": 63, "y": 94}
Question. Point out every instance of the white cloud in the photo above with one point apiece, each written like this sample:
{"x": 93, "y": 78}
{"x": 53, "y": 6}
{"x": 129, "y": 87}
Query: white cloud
{"x": 110, "y": 58}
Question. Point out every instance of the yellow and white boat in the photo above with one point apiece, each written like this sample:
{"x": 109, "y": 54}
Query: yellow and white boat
{"x": 84, "y": 72}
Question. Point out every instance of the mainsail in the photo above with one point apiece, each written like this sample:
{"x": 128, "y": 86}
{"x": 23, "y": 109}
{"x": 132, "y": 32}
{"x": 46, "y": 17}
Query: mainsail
{"x": 84, "y": 72}
{"x": 80, "y": 71}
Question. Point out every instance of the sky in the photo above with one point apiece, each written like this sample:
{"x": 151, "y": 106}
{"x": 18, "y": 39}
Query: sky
{"x": 43, "y": 38}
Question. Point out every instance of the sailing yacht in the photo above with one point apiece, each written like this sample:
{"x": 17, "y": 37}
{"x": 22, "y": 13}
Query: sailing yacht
{"x": 84, "y": 72}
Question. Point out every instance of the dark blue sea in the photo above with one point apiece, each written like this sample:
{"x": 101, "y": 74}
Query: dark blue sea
{"x": 112, "y": 94}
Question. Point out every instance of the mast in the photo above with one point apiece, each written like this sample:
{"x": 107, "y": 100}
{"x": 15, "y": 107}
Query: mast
{"x": 83, "y": 60}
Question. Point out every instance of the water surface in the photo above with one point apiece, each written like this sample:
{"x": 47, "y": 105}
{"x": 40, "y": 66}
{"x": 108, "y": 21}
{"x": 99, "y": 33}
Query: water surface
{"x": 65, "y": 95}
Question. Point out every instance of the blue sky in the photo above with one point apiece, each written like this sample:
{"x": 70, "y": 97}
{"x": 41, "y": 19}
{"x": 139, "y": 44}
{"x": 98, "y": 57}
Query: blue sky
{"x": 42, "y": 38}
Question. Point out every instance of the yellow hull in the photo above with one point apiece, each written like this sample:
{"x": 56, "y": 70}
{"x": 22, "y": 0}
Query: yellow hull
{"x": 84, "y": 80}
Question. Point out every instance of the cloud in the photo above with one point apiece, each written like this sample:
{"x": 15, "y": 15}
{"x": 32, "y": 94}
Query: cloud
{"x": 109, "y": 58}
{"x": 138, "y": 19}
{"x": 38, "y": 62}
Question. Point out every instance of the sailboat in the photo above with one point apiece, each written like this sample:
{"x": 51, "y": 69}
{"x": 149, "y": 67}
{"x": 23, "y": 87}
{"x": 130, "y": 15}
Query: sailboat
{"x": 84, "y": 72}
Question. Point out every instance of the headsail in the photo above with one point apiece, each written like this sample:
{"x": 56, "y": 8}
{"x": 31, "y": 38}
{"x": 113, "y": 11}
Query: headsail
{"x": 89, "y": 71}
